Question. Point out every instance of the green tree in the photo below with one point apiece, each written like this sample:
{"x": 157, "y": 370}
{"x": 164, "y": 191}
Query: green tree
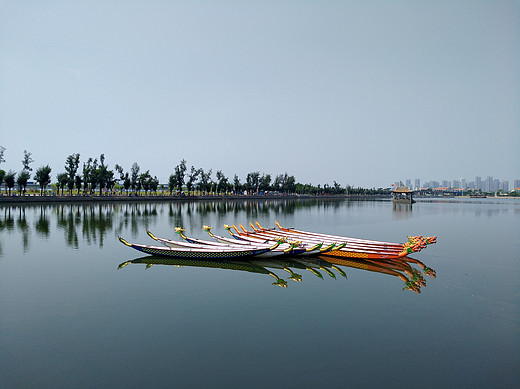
{"x": 172, "y": 183}
{"x": 145, "y": 180}
{"x": 71, "y": 167}
{"x": 192, "y": 179}
{"x": 88, "y": 173}
{"x": 104, "y": 176}
{"x": 205, "y": 182}
{"x": 222, "y": 182}
{"x": 2, "y": 176}
{"x": 119, "y": 169}
{"x": 63, "y": 179}
{"x": 78, "y": 181}
{"x": 180, "y": 172}
{"x": 2, "y": 151}
{"x": 134, "y": 180}
{"x": 237, "y": 187}
{"x": 43, "y": 177}
{"x": 22, "y": 179}
{"x": 252, "y": 181}
{"x": 9, "y": 180}
{"x": 26, "y": 161}
{"x": 154, "y": 184}
{"x": 127, "y": 182}
{"x": 264, "y": 182}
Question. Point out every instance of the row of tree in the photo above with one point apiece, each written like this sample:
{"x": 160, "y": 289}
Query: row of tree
{"x": 95, "y": 175}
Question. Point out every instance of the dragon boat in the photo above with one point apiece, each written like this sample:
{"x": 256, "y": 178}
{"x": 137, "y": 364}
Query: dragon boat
{"x": 199, "y": 243}
{"x": 351, "y": 247}
{"x": 294, "y": 247}
{"x": 214, "y": 253}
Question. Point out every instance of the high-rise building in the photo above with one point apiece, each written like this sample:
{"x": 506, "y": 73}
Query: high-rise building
{"x": 487, "y": 185}
{"x": 463, "y": 183}
{"x": 517, "y": 184}
{"x": 456, "y": 184}
{"x": 478, "y": 182}
{"x": 417, "y": 183}
{"x": 504, "y": 186}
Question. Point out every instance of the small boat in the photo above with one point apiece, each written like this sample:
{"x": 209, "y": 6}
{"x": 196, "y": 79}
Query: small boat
{"x": 200, "y": 252}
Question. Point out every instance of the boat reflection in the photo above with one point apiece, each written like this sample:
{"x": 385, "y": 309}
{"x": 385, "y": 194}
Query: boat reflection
{"x": 296, "y": 267}
{"x": 401, "y": 268}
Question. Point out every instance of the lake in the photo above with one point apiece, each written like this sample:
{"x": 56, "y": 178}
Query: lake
{"x": 79, "y": 309}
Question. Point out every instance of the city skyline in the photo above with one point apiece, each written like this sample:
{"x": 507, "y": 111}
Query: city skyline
{"x": 489, "y": 184}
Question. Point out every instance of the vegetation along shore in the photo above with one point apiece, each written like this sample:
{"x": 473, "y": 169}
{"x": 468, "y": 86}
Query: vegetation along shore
{"x": 94, "y": 180}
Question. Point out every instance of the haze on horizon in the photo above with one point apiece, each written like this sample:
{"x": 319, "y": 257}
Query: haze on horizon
{"x": 361, "y": 92}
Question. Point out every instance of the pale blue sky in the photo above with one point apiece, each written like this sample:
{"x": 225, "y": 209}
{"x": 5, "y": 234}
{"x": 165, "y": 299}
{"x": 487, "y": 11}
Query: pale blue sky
{"x": 361, "y": 92}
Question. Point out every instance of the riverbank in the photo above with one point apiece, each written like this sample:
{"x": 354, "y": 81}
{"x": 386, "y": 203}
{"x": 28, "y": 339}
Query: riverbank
{"x": 167, "y": 198}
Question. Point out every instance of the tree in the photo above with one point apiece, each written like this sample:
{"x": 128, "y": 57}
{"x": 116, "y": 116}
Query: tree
{"x": 63, "y": 179}
{"x": 71, "y": 167}
{"x": 119, "y": 169}
{"x": 192, "y": 178}
{"x": 205, "y": 180}
{"x": 104, "y": 176}
{"x": 22, "y": 179}
{"x": 88, "y": 170}
{"x": 285, "y": 183}
{"x": 145, "y": 180}
{"x": 222, "y": 182}
{"x": 126, "y": 182}
{"x": 172, "y": 183}
{"x": 9, "y": 180}
{"x": 2, "y": 175}
{"x": 78, "y": 181}
{"x": 26, "y": 161}
{"x": 180, "y": 171}
{"x": 135, "y": 176}
{"x": 252, "y": 181}
{"x": 154, "y": 184}
{"x": 264, "y": 182}
{"x": 43, "y": 177}
{"x": 2, "y": 151}
{"x": 236, "y": 184}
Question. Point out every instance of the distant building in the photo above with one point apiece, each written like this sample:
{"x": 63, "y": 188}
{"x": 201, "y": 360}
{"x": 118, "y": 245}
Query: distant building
{"x": 504, "y": 186}
{"x": 417, "y": 183}
{"x": 478, "y": 182}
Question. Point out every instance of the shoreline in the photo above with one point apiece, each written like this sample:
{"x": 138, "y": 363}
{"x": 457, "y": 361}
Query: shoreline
{"x": 36, "y": 199}
{"x": 31, "y": 199}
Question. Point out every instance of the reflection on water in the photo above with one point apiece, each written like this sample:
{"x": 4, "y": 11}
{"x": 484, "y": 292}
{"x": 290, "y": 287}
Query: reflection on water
{"x": 402, "y": 210}
{"x": 297, "y": 267}
{"x": 92, "y": 222}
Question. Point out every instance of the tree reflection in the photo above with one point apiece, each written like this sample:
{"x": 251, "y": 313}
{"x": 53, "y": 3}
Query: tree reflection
{"x": 42, "y": 225}
{"x": 23, "y": 227}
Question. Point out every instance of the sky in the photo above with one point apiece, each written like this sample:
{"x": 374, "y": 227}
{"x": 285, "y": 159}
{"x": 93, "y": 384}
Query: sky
{"x": 364, "y": 93}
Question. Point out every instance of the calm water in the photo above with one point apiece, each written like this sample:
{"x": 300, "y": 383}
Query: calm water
{"x": 79, "y": 309}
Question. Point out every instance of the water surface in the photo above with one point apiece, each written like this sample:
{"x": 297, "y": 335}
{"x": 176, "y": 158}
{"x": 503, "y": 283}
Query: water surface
{"x": 79, "y": 309}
